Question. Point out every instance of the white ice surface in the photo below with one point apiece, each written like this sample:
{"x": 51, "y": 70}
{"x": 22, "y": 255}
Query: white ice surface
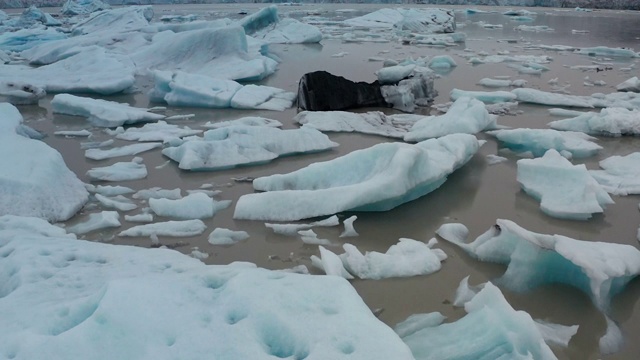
{"x": 349, "y": 230}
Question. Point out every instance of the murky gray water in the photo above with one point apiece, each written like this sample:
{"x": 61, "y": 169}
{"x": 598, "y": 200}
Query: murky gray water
{"x": 475, "y": 195}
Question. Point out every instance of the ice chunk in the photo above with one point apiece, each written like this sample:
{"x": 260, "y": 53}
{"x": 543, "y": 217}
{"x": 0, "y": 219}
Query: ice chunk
{"x": 108, "y": 190}
{"x": 442, "y": 62}
{"x": 311, "y": 238}
{"x": 182, "y": 228}
{"x": 97, "y": 221}
{"x": 143, "y": 218}
{"x": 262, "y": 97}
{"x": 120, "y": 171}
{"x": 133, "y": 149}
{"x": 495, "y": 83}
{"x": 246, "y": 121}
{"x": 513, "y": 335}
{"x": 564, "y": 190}
{"x": 160, "y": 131}
{"x": 632, "y": 84}
{"x": 495, "y": 159}
{"x": 68, "y": 133}
{"x": 466, "y": 115}
{"x": 393, "y": 74}
{"x": 192, "y": 206}
{"x": 82, "y": 7}
{"x": 293, "y": 229}
{"x": 414, "y": 20}
{"x": 32, "y": 16}
{"x": 417, "y": 90}
{"x": 489, "y": 97}
{"x": 620, "y": 174}
{"x": 549, "y": 98}
{"x": 330, "y": 263}
{"x": 349, "y": 230}
{"x": 417, "y": 322}
{"x": 20, "y": 93}
{"x": 465, "y": 292}
{"x": 158, "y": 193}
{"x": 373, "y": 122}
{"x": 11, "y": 225}
{"x": 290, "y": 31}
{"x": 608, "y": 122}
{"x": 232, "y": 146}
{"x": 375, "y": 179}
{"x": 35, "y": 180}
{"x": 117, "y": 202}
{"x": 126, "y": 18}
{"x": 556, "y": 334}
{"x": 538, "y": 141}
{"x": 607, "y": 51}
{"x": 101, "y": 112}
{"x": 222, "y": 236}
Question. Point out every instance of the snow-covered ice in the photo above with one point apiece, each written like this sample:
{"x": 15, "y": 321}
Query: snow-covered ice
{"x": 101, "y": 113}
{"x": 375, "y": 179}
{"x": 35, "y": 180}
{"x": 96, "y": 221}
{"x": 192, "y": 206}
{"x": 232, "y": 146}
{"x": 538, "y": 141}
{"x": 120, "y": 171}
{"x": 565, "y": 191}
{"x": 222, "y": 236}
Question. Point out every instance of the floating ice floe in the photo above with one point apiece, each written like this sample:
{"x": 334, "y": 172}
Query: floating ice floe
{"x": 608, "y": 122}
{"x": 92, "y": 71}
{"x": 349, "y": 230}
{"x": 246, "y": 121}
{"x": 82, "y": 7}
{"x": 160, "y": 131}
{"x": 413, "y": 20}
{"x": 373, "y": 122}
{"x": 118, "y": 202}
{"x": 182, "y": 228}
{"x": 375, "y": 179}
{"x": 565, "y": 191}
{"x": 183, "y": 89}
{"x": 142, "y": 218}
{"x": 35, "y": 181}
{"x": 607, "y": 51}
{"x": 133, "y": 149}
{"x": 101, "y": 112}
{"x": 466, "y": 116}
{"x": 20, "y": 93}
{"x": 73, "y": 133}
{"x": 232, "y": 146}
{"x": 109, "y": 190}
{"x": 488, "y": 97}
{"x": 96, "y": 221}
{"x": 266, "y": 314}
{"x": 192, "y": 206}
{"x": 599, "y": 269}
{"x": 406, "y": 258}
{"x": 221, "y": 51}
{"x": 538, "y": 141}
{"x": 120, "y": 171}
{"x": 495, "y": 159}
{"x": 632, "y": 84}
{"x": 441, "y": 62}
{"x": 512, "y": 335}
{"x": 620, "y": 175}
{"x": 494, "y": 83}
{"x": 537, "y": 28}
{"x": 222, "y": 236}
{"x": 293, "y": 229}
{"x": 495, "y": 59}
{"x": 393, "y": 74}
{"x": 158, "y": 193}
{"x": 309, "y": 237}
{"x": 265, "y": 25}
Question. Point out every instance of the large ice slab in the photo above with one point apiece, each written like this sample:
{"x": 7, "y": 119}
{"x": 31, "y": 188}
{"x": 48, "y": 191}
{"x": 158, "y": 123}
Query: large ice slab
{"x": 406, "y": 258}
{"x": 608, "y": 122}
{"x": 375, "y": 179}
{"x": 466, "y": 116}
{"x": 220, "y": 52}
{"x": 176, "y": 306}
{"x": 413, "y": 20}
{"x": 620, "y": 175}
{"x": 34, "y": 181}
{"x": 373, "y": 122}
{"x": 600, "y": 269}
{"x": 232, "y": 146}
{"x": 538, "y": 141}
{"x": 512, "y": 335}
{"x": 184, "y": 89}
{"x": 564, "y": 190}
{"x": 100, "y": 112}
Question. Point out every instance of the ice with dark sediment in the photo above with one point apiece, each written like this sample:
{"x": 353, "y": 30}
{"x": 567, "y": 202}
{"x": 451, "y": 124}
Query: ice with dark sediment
{"x": 20, "y": 93}
{"x": 372, "y": 122}
{"x": 538, "y": 141}
{"x": 378, "y": 178}
{"x": 34, "y": 181}
{"x": 565, "y": 191}
{"x": 600, "y": 269}
{"x": 232, "y": 146}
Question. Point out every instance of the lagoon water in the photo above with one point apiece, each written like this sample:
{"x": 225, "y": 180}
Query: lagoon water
{"x": 476, "y": 195}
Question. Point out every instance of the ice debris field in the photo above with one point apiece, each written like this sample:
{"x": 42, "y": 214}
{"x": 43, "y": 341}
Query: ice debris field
{"x": 162, "y": 197}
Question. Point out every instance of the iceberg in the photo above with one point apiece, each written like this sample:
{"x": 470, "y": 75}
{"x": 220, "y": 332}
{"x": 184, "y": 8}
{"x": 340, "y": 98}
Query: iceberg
{"x": 512, "y": 334}
{"x": 393, "y": 74}
{"x": 599, "y": 269}
{"x": 412, "y": 20}
{"x": 375, "y": 179}
{"x": 192, "y": 206}
{"x": 495, "y": 83}
{"x": 35, "y": 181}
{"x": 564, "y": 190}
{"x": 31, "y": 17}
{"x": 551, "y": 99}
{"x": 538, "y": 141}
{"x": 442, "y": 62}
{"x": 20, "y": 93}
{"x": 632, "y": 84}
{"x": 126, "y": 18}
{"x": 310, "y": 237}
{"x": 133, "y": 149}
{"x": 117, "y": 291}
{"x": 120, "y": 171}
{"x": 265, "y": 25}
{"x": 160, "y": 131}
{"x": 372, "y": 122}
{"x": 406, "y": 258}
{"x": 97, "y": 221}
{"x": 466, "y": 115}
{"x": 184, "y": 89}
{"x": 101, "y": 113}
{"x": 222, "y": 236}
{"x": 25, "y": 39}
{"x": 220, "y": 52}
{"x": 232, "y": 146}
{"x": 182, "y": 228}
{"x": 608, "y": 122}
{"x": 620, "y": 175}
{"x": 83, "y": 7}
